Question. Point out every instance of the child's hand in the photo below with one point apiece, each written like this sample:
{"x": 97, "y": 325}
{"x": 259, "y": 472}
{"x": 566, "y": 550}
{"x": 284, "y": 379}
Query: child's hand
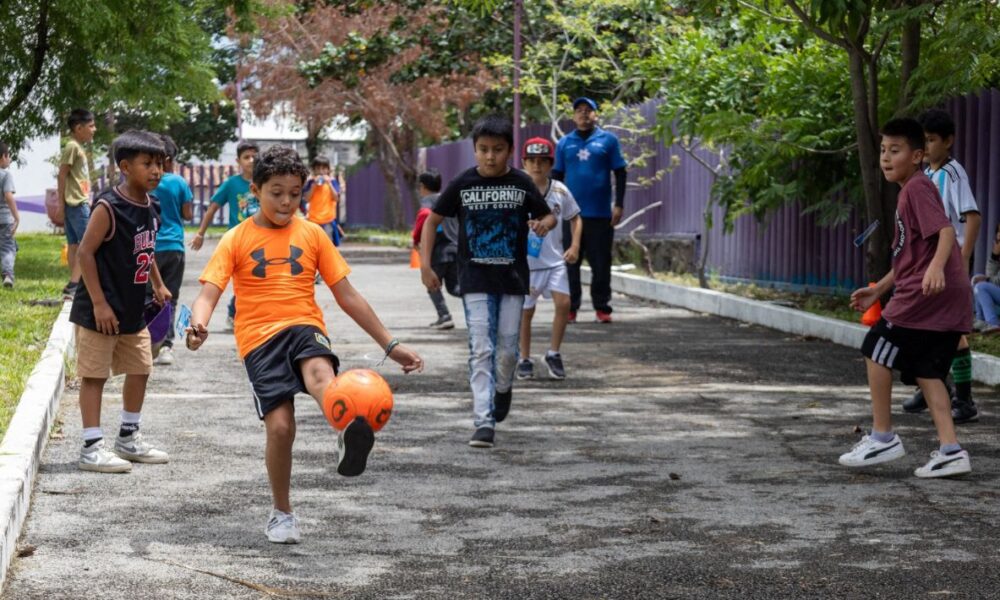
{"x": 430, "y": 279}
{"x": 933, "y": 281}
{"x": 104, "y": 317}
{"x": 197, "y": 241}
{"x": 539, "y": 227}
{"x": 409, "y": 359}
{"x": 196, "y": 336}
{"x": 863, "y": 299}
{"x": 571, "y": 255}
{"x": 162, "y": 295}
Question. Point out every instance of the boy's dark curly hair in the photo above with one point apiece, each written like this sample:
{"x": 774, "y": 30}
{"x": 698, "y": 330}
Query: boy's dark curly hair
{"x": 278, "y": 160}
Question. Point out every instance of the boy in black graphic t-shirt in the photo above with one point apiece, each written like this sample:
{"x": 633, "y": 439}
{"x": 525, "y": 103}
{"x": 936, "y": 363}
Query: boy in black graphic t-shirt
{"x": 495, "y": 206}
{"x": 117, "y": 260}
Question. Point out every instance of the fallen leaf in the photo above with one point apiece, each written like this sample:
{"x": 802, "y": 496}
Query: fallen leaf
{"x": 25, "y": 551}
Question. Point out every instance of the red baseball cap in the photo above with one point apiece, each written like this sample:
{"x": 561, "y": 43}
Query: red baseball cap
{"x": 538, "y": 147}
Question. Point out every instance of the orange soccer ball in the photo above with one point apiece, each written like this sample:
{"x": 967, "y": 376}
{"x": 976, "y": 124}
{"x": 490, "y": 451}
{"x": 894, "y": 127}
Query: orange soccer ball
{"x": 358, "y": 393}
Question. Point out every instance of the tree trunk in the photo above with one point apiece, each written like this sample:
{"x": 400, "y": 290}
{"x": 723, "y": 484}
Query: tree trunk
{"x": 877, "y": 256}
{"x": 313, "y": 132}
{"x": 910, "y": 59}
{"x": 393, "y": 218}
{"x": 22, "y": 91}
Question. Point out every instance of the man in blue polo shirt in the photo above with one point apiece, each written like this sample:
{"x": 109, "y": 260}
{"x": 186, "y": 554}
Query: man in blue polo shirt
{"x": 585, "y": 160}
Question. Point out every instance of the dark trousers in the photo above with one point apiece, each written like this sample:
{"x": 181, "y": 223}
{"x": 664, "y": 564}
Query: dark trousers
{"x": 171, "y": 267}
{"x": 595, "y": 246}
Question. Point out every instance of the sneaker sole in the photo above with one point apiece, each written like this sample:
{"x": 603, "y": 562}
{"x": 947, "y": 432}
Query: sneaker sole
{"x": 974, "y": 419}
{"x": 358, "y": 441}
{"x": 147, "y": 460}
{"x": 555, "y": 375}
{"x": 480, "y": 444}
{"x": 443, "y": 327}
{"x": 880, "y": 459}
{"x": 289, "y": 540}
{"x": 523, "y": 377}
{"x": 104, "y": 469}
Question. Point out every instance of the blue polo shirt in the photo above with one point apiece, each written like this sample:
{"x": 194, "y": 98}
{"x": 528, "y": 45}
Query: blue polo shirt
{"x": 587, "y": 165}
{"x": 173, "y": 192}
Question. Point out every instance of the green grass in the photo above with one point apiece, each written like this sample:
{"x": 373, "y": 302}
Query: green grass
{"x": 384, "y": 237}
{"x": 24, "y": 327}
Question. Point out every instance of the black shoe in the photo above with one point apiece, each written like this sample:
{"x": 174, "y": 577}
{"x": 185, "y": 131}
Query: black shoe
{"x": 444, "y": 322}
{"x": 555, "y": 365}
{"x": 525, "y": 369}
{"x": 964, "y": 412}
{"x": 69, "y": 291}
{"x": 501, "y": 405}
{"x": 353, "y": 445}
{"x": 482, "y": 438}
{"x": 915, "y": 403}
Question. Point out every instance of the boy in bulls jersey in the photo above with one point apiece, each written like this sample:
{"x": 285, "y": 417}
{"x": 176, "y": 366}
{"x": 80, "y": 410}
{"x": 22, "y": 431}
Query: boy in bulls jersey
{"x": 272, "y": 259}
{"x": 116, "y": 260}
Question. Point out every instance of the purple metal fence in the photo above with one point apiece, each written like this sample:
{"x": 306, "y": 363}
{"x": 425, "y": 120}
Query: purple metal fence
{"x": 790, "y": 247}
{"x": 204, "y": 179}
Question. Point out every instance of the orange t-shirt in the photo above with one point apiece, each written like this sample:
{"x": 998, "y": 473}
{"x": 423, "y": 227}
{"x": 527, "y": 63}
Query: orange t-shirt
{"x": 322, "y": 203}
{"x": 273, "y": 273}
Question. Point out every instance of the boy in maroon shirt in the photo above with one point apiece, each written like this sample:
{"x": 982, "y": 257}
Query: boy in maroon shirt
{"x": 931, "y": 308}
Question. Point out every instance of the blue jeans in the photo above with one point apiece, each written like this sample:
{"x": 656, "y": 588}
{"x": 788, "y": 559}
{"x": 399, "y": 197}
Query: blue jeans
{"x": 494, "y": 322}
{"x": 77, "y": 218}
{"x": 8, "y": 249}
{"x": 987, "y": 297}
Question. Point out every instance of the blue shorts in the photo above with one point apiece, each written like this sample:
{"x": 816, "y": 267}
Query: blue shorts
{"x": 77, "y": 218}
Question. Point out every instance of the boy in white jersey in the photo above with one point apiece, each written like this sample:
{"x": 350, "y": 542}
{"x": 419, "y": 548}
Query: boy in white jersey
{"x": 547, "y": 258}
{"x": 960, "y": 206}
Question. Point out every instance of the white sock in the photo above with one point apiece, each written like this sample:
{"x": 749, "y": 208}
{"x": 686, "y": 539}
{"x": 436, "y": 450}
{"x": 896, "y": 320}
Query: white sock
{"x": 91, "y": 434}
{"x": 131, "y": 417}
{"x": 552, "y": 353}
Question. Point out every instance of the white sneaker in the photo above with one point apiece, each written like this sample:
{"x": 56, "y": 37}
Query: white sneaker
{"x": 282, "y": 528}
{"x": 869, "y": 452}
{"x": 8, "y": 281}
{"x": 133, "y": 448}
{"x": 97, "y": 458}
{"x": 945, "y": 465}
{"x": 166, "y": 356}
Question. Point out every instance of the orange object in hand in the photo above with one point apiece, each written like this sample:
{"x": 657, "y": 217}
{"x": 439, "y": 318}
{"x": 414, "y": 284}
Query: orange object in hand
{"x": 414, "y": 259}
{"x": 874, "y": 312}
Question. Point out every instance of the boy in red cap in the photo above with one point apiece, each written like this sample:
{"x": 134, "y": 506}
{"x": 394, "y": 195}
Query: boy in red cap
{"x": 547, "y": 258}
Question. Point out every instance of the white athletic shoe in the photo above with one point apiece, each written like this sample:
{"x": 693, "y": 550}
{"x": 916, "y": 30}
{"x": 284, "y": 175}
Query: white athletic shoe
{"x": 165, "y": 357}
{"x": 134, "y": 449}
{"x": 945, "y": 465}
{"x": 99, "y": 459}
{"x": 282, "y": 528}
{"x": 869, "y": 452}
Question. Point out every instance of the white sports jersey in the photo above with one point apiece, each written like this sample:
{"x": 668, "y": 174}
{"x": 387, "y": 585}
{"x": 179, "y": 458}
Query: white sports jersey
{"x": 564, "y": 207}
{"x": 952, "y": 183}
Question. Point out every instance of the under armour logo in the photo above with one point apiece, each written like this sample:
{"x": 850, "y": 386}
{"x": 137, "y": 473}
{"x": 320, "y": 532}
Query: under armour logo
{"x": 263, "y": 262}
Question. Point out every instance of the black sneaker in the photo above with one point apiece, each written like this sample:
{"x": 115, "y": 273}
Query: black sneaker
{"x": 525, "y": 369}
{"x": 482, "y": 438}
{"x": 353, "y": 446}
{"x": 69, "y": 291}
{"x": 964, "y": 412}
{"x": 555, "y": 365}
{"x": 917, "y": 403}
{"x": 444, "y": 322}
{"x": 501, "y": 405}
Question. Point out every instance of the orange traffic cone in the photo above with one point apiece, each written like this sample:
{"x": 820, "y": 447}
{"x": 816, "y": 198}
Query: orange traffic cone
{"x": 874, "y": 312}
{"x": 414, "y": 259}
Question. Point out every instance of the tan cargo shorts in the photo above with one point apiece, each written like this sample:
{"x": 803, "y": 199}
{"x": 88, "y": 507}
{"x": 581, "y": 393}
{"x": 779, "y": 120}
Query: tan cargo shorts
{"x": 99, "y": 356}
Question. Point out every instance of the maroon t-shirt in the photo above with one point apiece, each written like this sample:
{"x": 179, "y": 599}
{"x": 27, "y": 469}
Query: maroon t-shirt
{"x": 919, "y": 217}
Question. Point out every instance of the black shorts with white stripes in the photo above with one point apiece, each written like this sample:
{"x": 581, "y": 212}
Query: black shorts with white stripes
{"x": 915, "y": 353}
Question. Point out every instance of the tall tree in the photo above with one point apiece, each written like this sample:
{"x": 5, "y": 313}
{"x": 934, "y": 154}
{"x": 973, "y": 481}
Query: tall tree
{"x": 401, "y": 68}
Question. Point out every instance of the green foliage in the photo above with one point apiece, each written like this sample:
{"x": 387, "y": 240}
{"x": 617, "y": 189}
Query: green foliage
{"x": 750, "y": 77}
{"x": 149, "y": 59}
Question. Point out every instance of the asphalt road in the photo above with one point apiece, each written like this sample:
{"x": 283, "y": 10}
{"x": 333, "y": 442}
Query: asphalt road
{"x": 686, "y": 456}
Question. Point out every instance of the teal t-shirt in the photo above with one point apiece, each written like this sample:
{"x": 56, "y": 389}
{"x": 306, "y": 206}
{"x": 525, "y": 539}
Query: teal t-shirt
{"x": 235, "y": 193}
{"x": 173, "y": 193}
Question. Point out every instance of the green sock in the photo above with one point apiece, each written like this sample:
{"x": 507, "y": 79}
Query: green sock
{"x": 961, "y": 374}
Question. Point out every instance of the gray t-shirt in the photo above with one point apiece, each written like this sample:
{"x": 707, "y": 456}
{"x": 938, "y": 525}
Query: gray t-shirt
{"x": 6, "y": 185}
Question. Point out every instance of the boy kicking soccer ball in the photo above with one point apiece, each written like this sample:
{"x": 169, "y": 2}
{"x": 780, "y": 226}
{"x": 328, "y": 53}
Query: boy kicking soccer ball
{"x": 273, "y": 259}
{"x": 930, "y": 310}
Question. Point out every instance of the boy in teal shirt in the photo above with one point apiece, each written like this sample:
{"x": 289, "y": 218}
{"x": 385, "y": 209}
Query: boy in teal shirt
{"x": 234, "y": 193}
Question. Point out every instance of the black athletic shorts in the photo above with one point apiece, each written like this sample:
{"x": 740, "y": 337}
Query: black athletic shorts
{"x": 273, "y": 367}
{"x": 913, "y": 352}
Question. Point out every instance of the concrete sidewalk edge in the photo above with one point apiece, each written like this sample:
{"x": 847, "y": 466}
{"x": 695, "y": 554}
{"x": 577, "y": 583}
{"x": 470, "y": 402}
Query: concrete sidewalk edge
{"x": 985, "y": 368}
{"x": 27, "y": 435}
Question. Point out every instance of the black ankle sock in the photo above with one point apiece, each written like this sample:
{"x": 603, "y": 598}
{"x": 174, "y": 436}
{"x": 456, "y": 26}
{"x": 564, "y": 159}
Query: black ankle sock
{"x": 128, "y": 429}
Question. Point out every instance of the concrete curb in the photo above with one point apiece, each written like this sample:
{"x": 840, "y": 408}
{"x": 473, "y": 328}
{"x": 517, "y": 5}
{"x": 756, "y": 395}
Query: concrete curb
{"x": 985, "y": 368}
{"x": 24, "y": 442}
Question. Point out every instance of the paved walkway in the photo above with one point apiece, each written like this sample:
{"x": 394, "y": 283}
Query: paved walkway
{"x": 685, "y": 457}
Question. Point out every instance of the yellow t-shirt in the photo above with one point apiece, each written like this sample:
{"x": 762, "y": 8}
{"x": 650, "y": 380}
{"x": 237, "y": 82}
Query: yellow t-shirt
{"x": 273, "y": 273}
{"x": 78, "y": 181}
